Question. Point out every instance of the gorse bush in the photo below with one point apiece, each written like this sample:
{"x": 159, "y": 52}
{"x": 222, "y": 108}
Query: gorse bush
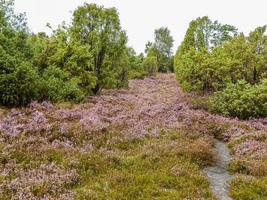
{"x": 242, "y": 100}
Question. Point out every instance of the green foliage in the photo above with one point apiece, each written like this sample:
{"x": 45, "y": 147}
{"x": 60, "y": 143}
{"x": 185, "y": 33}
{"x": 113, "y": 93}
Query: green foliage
{"x": 163, "y": 45}
{"x": 56, "y": 86}
{"x": 136, "y": 69}
{"x": 13, "y": 35}
{"x": 67, "y": 55}
{"x": 161, "y": 49}
{"x": 10, "y": 19}
{"x": 193, "y": 69}
{"x": 37, "y": 43}
{"x": 214, "y": 58}
{"x": 197, "y": 67}
{"x": 20, "y": 87}
{"x": 208, "y": 65}
{"x": 243, "y": 58}
{"x": 242, "y": 100}
{"x": 150, "y": 65}
{"x": 122, "y": 73}
{"x": 203, "y": 33}
{"x": 75, "y": 61}
{"x": 18, "y": 79}
{"x": 99, "y": 29}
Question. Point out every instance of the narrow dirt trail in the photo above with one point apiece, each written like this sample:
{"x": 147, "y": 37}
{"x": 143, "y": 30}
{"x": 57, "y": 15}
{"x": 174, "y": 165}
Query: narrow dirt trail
{"x": 218, "y": 174}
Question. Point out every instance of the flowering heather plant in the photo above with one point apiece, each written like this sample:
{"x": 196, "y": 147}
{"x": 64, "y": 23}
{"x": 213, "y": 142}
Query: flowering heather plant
{"x": 41, "y": 106}
{"x": 49, "y": 150}
{"x": 10, "y": 125}
{"x": 46, "y": 182}
{"x": 249, "y": 147}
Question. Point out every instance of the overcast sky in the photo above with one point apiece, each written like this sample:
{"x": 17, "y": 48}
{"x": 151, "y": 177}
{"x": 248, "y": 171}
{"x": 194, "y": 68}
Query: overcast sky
{"x": 141, "y": 17}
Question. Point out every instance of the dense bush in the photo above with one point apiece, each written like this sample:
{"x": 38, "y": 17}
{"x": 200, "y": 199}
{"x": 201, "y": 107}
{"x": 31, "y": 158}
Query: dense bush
{"x": 206, "y": 62}
{"x": 196, "y": 67}
{"x": 214, "y": 58}
{"x": 150, "y": 65}
{"x": 195, "y": 71}
{"x": 242, "y": 100}
{"x": 56, "y": 86}
{"x": 136, "y": 69}
{"x": 20, "y": 87}
{"x": 18, "y": 79}
{"x": 71, "y": 57}
{"x": 75, "y": 61}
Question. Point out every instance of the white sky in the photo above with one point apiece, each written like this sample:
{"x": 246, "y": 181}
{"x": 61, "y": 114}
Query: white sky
{"x": 141, "y": 17}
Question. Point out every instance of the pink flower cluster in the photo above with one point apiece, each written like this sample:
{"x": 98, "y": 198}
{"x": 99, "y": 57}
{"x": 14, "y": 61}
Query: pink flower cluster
{"x": 9, "y": 125}
{"x": 17, "y": 122}
{"x": 251, "y": 148}
{"x": 50, "y": 179}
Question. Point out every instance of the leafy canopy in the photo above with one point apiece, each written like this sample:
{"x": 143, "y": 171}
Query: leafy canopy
{"x": 75, "y": 61}
{"x": 214, "y": 58}
{"x": 99, "y": 29}
{"x": 161, "y": 48}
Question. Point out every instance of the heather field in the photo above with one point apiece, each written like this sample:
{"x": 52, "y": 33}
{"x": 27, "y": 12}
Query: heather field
{"x": 145, "y": 142}
{"x": 123, "y": 101}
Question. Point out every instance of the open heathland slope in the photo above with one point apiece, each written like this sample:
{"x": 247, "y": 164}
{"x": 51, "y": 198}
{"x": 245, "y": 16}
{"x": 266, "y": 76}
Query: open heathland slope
{"x": 144, "y": 142}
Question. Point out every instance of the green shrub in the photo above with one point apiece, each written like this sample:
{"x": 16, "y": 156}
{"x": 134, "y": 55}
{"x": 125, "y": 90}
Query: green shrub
{"x": 75, "y": 61}
{"x": 136, "y": 74}
{"x": 213, "y": 55}
{"x": 136, "y": 68}
{"x": 150, "y": 65}
{"x": 72, "y": 92}
{"x": 20, "y": 87}
{"x": 56, "y": 86}
{"x": 241, "y": 100}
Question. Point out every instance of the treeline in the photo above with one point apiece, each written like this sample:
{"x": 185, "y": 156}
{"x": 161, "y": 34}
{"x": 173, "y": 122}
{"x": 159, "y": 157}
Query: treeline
{"x": 77, "y": 60}
{"x": 214, "y": 58}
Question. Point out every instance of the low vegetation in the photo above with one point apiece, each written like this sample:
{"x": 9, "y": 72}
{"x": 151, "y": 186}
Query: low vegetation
{"x": 247, "y": 142}
{"x": 247, "y": 187}
{"x": 116, "y": 146}
{"x": 165, "y": 167}
{"x": 111, "y": 147}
